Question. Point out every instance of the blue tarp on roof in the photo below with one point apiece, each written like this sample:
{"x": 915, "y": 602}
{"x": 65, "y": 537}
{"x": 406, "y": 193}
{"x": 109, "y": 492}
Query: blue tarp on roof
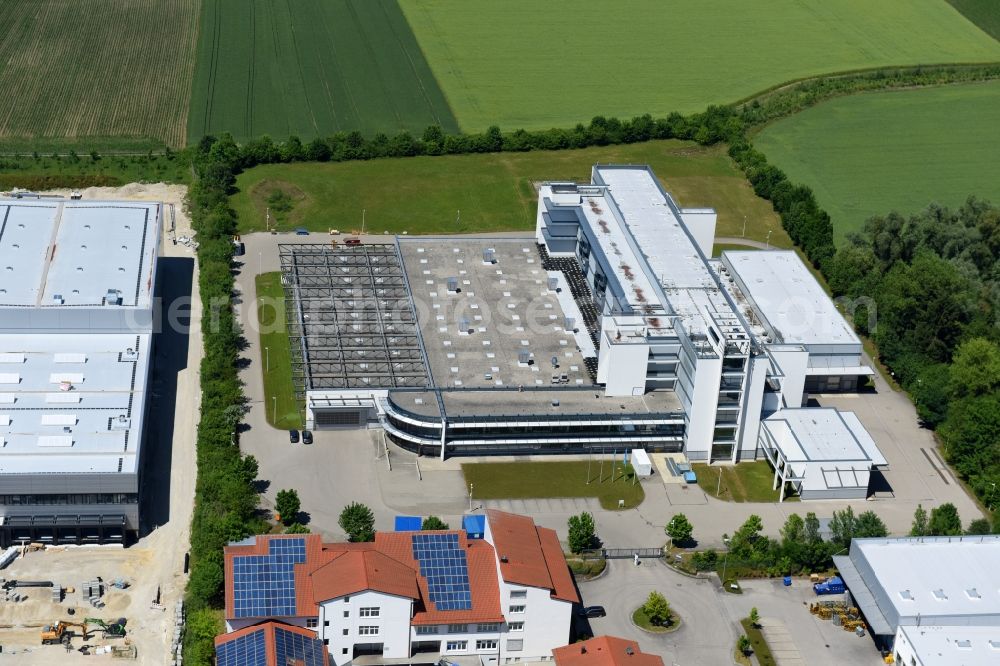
{"x": 474, "y": 526}
{"x": 408, "y": 523}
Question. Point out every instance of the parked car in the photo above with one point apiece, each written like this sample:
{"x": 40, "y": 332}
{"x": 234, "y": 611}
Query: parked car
{"x": 352, "y": 241}
{"x": 301, "y": 231}
{"x": 307, "y": 437}
{"x": 592, "y": 611}
{"x": 293, "y": 436}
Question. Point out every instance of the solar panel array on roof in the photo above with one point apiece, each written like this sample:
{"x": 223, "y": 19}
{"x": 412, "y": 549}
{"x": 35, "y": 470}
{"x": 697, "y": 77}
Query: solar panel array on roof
{"x": 264, "y": 585}
{"x": 294, "y": 648}
{"x": 246, "y": 650}
{"x": 444, "y": 566}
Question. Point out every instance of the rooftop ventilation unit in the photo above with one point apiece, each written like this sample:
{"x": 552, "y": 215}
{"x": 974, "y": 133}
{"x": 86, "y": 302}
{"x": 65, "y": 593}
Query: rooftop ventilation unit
{"x": 569, "y": 324}
{"x": 121, "y": 423}
{"x": 553, "y": 284}
{"x": 524, "y": 357}
{"x": 130, "y": 355}
{"x": 555, "y": 361}
{"x": 464, "y": 325}
{"x": 58, "y": 299}
{"x": 114, "y": 297}
{"x": 453, "y": 284}
{"x": 489, "y": 256}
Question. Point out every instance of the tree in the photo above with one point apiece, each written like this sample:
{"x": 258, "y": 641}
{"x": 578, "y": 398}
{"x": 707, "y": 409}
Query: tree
{"x": 433, "y": 523}
{"x": 747, "y": 537}
{"x": 743, "y": 645}
{"x": 920, "y": 527}
{"x": 793, "y": 531}
{"x": 754, "y": 617}
{"x": 287, "y": 505}
{"x": 296, "y": 528}
{"x": 868, "y": 525}
{"x": 945, "y": 520}
{"x": 657, "y": 608}
{"x": 582, "y": 532}
{"x": 679, "y": 529}
{"x": 979, "y": 526}
{"x": 975, "y": 369}
{"x": 842, "y": 526}
{"x": 358, "y": 521}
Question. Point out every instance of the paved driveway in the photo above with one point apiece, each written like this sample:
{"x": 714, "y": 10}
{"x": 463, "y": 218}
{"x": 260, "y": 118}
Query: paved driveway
{"x": 708, "y": 633}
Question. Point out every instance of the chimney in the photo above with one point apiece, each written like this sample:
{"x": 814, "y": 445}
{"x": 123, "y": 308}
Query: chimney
{"x": 583, "y": 649}
{"x": 629, "y": 651}
{"x": 503, "y": 558}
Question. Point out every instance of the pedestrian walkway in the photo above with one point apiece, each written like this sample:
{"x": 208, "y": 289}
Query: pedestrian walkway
{"x": 780, "y": 641}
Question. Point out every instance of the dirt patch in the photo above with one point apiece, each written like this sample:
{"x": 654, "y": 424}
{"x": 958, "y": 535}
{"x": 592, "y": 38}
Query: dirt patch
{"x": 285, "y": 201}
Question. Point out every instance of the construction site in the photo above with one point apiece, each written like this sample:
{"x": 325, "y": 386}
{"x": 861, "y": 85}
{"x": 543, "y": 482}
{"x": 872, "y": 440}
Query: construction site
{"x": 66, "y": 602}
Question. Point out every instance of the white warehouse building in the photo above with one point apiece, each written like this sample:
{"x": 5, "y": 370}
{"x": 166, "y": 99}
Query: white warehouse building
{"x": 77, "y": 284}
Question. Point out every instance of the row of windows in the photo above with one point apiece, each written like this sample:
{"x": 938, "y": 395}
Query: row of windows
{"x": 482, "y": 628}
{"x": 459, "y": 646}
{"x": 66, "y": 499}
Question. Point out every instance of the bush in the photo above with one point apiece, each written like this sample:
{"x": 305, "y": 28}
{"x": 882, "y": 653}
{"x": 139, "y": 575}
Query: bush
{"x": 358, "y": 521}
{"x": 432, "y": 523}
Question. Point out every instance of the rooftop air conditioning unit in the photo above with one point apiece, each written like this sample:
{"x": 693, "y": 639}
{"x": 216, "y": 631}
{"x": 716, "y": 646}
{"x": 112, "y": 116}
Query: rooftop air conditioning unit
{"x": 114, "y": 297}
{"x": 58, "y": 299}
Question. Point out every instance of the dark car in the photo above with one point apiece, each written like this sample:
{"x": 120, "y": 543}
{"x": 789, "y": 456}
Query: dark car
{"x": 301, "y": 231}
{"x": 592, "y": 611}
{"x": 293, "y": 436}
{"x": 307, "y": 437}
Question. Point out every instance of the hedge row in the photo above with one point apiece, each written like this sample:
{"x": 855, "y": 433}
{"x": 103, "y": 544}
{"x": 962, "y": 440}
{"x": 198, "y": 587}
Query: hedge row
{"x": 226, "y": 499}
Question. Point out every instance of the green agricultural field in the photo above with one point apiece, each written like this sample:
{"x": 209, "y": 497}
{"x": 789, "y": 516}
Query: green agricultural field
{"x": 311, "y": 68}
{"x": 869, "y": 154}
{"x": 517, "y": 63}
{"x": 485, "y": 193}
{"x": 113, "y": 73}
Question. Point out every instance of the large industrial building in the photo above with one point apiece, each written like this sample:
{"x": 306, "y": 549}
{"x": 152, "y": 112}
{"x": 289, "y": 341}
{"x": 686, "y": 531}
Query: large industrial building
{"x": 495, "y": 593}
{"x": 611, "y": 329}
{"x": 77, "y": 282}
{"x": 929, "y": 601}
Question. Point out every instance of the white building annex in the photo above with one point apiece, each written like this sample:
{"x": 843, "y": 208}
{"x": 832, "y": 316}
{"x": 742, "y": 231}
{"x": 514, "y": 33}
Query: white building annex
{"x": 499, "y": 598}
{"x": 929, "y": 600}
{"x": 77, "y": 283}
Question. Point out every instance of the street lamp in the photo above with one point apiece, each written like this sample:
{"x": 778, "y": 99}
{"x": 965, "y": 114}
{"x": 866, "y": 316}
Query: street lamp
{"x": 744, "y": 226}
{"x": 470, "y": 498}
{"x": 768, "y": 243}
{"x": 267, "y": 360}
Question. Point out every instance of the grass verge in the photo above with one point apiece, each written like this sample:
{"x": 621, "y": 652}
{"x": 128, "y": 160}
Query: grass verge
{"x": 745, "y": 482}
{"x": 641, "y": 620}
{"x": 760, "y": 648}
{"x": 584, "y": 569}
{"x": 490, "y": 192}
{"x": 286, "y": 411}
{"x": 572, "y": 478}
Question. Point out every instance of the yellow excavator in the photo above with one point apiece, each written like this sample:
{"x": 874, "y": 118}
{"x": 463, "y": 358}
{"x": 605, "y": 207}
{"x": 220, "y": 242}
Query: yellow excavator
{"x": 54, "y": 634}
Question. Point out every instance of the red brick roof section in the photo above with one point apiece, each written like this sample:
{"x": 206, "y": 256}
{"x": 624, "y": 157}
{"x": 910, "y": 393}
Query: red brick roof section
{"x": 530, "y": 555}
{"x": 604, "y": 651}
{"x": 269, "y": 643}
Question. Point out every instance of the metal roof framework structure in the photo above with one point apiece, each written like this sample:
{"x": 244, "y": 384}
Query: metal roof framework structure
{"x": 351, "y": 318}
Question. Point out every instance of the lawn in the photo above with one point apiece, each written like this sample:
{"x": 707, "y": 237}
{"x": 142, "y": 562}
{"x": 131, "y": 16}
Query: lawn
{"x": 869, "y": 154}
{"x": 744, "y": 482}
{"x": 604, "y": 478}
{"x": 109, "y": 72}
{"x": 287, "y": 412}
{"x": 495, "y": 192}
{"x": 759, "y": 645}
{"x": 519, "y": 64}
{"x": 642, "y": 620}
{"x": 311, "y": 68}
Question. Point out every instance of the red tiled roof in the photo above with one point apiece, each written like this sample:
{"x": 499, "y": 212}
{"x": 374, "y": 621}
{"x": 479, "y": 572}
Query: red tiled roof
{"x": 314, "y": 557}
{"x": 604, "y": 651}
{"x": 530, "y": 555}
{"x": 355, "y": 571}
{"x": 562, "y": 581}
{"x": 269, "y": 642}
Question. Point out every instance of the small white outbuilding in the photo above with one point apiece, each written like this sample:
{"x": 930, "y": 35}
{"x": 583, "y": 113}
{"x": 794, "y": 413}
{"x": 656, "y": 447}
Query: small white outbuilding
{"x": 641, "y": 462}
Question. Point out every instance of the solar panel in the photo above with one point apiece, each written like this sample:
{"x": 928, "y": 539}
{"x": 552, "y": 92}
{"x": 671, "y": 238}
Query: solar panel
{"x": 444, "y": 566}
{"x": 290, "y": 647}
{"x": 264, "y": 585}
{"x": 246, "y": 650}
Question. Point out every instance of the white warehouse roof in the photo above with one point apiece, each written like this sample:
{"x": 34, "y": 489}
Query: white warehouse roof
{"x": 72, "y": 404}
{"x": 72, "y": 253}
{"x": 823, "y": 434}
{"x": 954, "y": 646}
{"x": 783, "y": 292}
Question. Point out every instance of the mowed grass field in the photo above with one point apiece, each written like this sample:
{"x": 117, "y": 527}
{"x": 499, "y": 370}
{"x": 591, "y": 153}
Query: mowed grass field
{"x": 492, "y": 192}
{"x": 311, "y": 68}
{"x": 984, "y": 13}
{"x": 519, "y": 63}
{"x": 869, "y": 154}
{"x": 112, "y": 72}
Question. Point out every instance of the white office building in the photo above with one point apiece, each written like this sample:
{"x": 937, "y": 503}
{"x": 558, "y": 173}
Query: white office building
{"x": 77, "y": 283}
{"x": 930, "y": 601}
{"x": 503, "y": 597}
